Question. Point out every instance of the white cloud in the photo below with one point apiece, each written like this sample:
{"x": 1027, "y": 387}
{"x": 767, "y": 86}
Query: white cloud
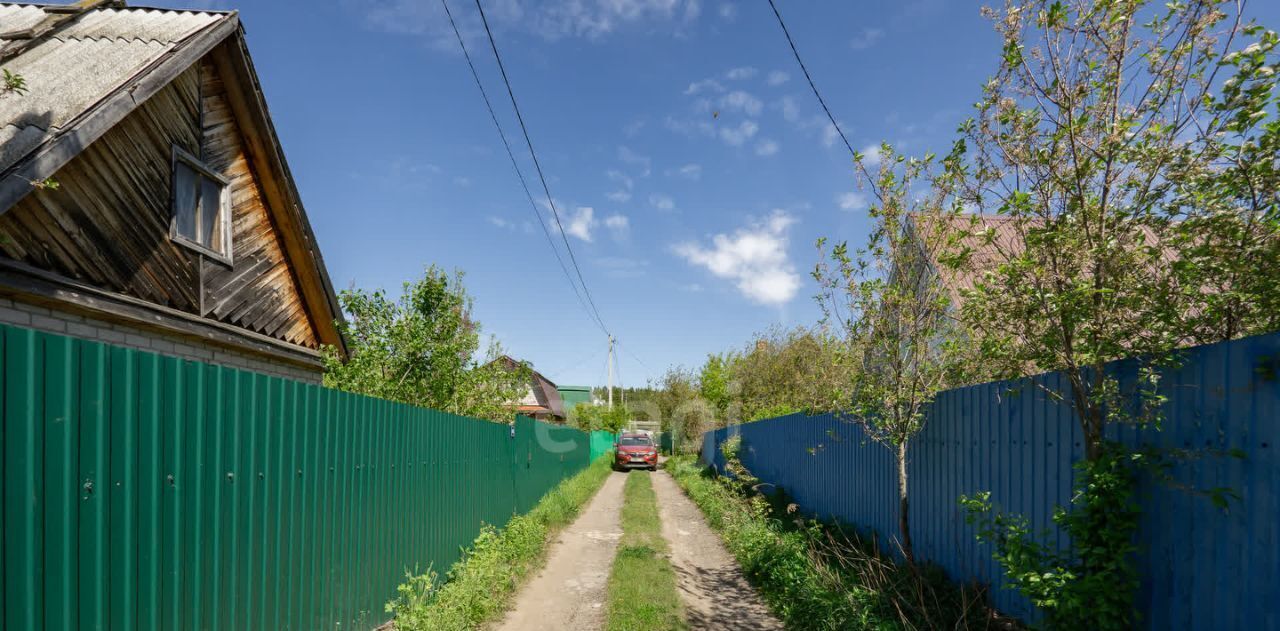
{"x": 633, "y": 128}
{"x": 581, "y": 223}
{"x": 620, "y": 177}
{"x": 627, "y": 156}
{"x": 728, "y": 11}
{"x": 621, "y": 267}
{"x": 662, "y": 202}
{"x": 830, "y": 134}
{"x": 742, "y": 101}
{"x": 766, "y": 147}
{"x": 778, "y": 77}
{"x": 619, "y": 225}
{"x": 851, "y": 201}
{"x": 739, "y": 74}
{"x": 690, "y": 171}
{"x": 754, "y": 258}
{"x": 736, "y": 136}
{"x": 705, "y": 85}
{"x": 871, "y": 155}
{"x": 790, "y": 109}
{"x": 695, "y": 127}
{"x": 620, "y": 197}
{"x": 462, "y": 181}
{"x": 866, "y": 38}
{"x": 549, "y": 19}
{"x": 505, "y": 224}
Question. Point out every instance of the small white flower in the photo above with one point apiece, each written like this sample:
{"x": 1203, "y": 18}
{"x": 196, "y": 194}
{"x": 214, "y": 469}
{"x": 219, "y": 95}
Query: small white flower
{"x": 1251, "y": 48}
{"x": 1266, "y": 71}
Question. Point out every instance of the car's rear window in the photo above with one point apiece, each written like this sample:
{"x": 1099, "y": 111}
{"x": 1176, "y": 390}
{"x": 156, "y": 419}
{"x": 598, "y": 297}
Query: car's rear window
{"x": 634, "y": 441}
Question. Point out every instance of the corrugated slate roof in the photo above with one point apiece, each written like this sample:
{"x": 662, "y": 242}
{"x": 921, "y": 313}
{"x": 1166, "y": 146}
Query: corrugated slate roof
{"x": 78, "y": 64}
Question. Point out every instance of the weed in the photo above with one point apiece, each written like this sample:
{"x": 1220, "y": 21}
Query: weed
{"x": 15, "y": 83}
{"x": 821, "y": 575}
{"x": 480, "y": 585}
{"x": 642, "y": 585}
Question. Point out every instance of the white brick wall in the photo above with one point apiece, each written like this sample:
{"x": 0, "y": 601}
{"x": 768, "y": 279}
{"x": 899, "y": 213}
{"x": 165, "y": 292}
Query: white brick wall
{"x": 43, "y": 319}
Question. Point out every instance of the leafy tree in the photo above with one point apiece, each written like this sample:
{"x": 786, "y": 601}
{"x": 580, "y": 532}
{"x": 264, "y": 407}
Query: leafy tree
{"x": 714, "y": 381}
{"x": 1130, "y": 207}
{"x": 679, "y": 406}
{"x": 1124, "y": 165}
{"x": 896, "y": 314}
{"x": 422, "y": 349}
{"x": 590, "y": 417}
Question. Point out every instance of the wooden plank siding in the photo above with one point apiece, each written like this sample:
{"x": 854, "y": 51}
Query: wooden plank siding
{"x": 107, "y": 222}
{"x": 259, "y": 290}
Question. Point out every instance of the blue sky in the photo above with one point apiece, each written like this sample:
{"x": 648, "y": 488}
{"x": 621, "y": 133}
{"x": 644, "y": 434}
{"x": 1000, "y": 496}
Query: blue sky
{"x": 693, "y": 230}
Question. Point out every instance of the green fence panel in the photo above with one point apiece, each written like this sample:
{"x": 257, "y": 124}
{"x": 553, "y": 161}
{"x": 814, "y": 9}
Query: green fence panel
{"x": 144, "y": 492}
{"x": 601, "y": 443}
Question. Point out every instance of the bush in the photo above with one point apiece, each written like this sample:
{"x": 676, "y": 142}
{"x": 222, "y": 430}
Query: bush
{"x": 480, "y": 585}
{"x": 817, "y": 575}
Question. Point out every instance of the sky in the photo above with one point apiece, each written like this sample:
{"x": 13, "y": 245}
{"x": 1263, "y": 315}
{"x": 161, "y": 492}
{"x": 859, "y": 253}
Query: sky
{"x": 692, "y": 167}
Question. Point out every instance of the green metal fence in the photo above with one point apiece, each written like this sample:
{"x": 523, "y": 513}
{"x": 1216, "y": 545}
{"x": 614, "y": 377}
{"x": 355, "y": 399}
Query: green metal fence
{"x": 601, "y": 443}
{"x": 147, "y": 492}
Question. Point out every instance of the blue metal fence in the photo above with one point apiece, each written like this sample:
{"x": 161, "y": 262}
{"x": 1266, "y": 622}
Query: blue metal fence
{"x": 1202, "y": 567}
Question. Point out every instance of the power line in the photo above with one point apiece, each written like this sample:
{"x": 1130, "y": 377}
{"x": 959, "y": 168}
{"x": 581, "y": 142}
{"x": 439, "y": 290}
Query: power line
{"x": 523, "y": 184}
{"x": 812, "y": 86}
{"x": 536, "y": 165}
{"x": 627, "y": 350}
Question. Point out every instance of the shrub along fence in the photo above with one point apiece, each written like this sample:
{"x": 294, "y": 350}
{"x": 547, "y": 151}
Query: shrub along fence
{"x": 1201, "y": 566}
{"x": 145, "y": 492}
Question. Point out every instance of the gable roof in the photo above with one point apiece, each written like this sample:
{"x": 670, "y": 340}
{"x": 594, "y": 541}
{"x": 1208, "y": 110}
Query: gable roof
{"x": 544, "y": 390}
{"x": 88, "y": 65}
{"x": 1006, "y": 241}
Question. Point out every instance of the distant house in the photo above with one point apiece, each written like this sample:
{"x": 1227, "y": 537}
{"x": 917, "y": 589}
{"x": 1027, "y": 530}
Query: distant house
{"x": 541, "y": 401}
{"x": 145, "y": 200}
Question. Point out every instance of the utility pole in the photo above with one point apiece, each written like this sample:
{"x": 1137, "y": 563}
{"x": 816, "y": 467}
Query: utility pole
{"x": 610, "y": 372}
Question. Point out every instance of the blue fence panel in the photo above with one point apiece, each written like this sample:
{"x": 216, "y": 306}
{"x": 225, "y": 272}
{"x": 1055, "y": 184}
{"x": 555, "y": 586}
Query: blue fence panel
{"x": 1201, "y": 566}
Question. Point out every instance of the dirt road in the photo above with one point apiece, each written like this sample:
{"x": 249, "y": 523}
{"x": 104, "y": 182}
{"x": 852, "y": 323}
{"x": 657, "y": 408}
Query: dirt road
{"x": 714, "y": 591}
{"x": 569, "y": 592}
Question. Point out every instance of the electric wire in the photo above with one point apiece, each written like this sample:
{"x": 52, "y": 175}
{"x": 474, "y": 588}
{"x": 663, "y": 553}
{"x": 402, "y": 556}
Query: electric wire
{"x": 591, "y": 313}
{"x": 812, "y": 86}
{"x": 536, "y": 164}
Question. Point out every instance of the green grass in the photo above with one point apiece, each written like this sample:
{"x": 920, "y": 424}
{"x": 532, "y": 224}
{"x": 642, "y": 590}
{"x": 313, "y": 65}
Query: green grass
{"x": 480, "y": 586}
{"x": 642, "y": 586}
{"x": 822, "y": 576}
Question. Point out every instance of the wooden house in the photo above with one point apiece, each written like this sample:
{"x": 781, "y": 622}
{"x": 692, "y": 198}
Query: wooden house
{"x": 541, "y": 399}
{"x": 144, "y": 197}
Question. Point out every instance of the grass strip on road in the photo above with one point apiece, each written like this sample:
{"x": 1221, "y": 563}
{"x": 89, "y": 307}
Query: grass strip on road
{"x": 642, "y": 585}
{"x": 819, "y": 576}
{"x": 480, "y": 586}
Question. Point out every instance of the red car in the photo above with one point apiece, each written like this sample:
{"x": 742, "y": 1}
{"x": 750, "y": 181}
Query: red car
{"x": 633, "y": 451}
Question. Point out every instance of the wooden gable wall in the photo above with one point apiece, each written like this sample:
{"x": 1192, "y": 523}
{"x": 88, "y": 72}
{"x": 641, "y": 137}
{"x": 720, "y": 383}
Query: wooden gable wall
{"x": 106, "y": 223}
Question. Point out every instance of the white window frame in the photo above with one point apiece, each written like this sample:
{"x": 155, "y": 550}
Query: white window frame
{"x": 224, "y": 206}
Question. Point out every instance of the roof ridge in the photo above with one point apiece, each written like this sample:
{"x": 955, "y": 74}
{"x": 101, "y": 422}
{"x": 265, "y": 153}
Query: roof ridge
{"x": 108, "y": 38}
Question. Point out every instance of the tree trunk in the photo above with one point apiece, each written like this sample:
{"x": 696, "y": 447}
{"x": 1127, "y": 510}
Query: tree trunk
{"x": 904, "y": 522}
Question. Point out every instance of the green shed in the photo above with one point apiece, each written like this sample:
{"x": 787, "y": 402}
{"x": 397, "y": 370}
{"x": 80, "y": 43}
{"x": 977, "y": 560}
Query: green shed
{"x": 573, "y": 395}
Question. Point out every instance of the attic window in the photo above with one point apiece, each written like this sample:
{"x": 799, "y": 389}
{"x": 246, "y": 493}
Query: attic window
{"x": 201, "y": 208}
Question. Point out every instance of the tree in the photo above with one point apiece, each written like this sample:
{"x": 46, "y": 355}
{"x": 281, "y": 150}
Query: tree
{"x": 1123, "y": 165}
{"x": 714, "y": 382}
{"x": 422, "y": 350}
{"x": 1126, "y": 208}
{"x": 895, "y": 313}
{"x": 593, "y": 417}
{"x": 679, "y": 406}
